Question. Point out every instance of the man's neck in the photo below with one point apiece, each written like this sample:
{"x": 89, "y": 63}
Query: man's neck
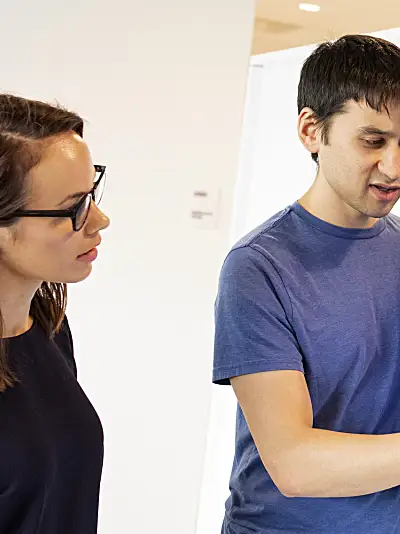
{"x": 323, "y": 202}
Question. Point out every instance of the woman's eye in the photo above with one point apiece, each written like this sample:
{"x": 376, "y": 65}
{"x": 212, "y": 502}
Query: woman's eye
{"x": 57, "y": 221}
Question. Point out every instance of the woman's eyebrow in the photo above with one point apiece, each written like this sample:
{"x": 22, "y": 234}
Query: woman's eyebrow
{"x": 76, "y": 196}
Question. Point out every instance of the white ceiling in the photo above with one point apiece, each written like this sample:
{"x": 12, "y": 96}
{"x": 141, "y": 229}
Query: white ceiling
{"x": 281, "y": 25}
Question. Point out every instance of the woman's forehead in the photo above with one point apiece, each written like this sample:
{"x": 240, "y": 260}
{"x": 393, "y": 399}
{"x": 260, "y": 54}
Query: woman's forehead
{"x": 65, "y": 168}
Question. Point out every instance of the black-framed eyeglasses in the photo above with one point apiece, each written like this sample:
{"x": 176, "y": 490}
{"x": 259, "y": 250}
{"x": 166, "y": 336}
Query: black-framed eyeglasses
{"x": 79, "y": 213}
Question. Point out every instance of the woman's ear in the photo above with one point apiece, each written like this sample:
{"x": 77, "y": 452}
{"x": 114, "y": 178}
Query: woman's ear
{"x": 8, "y": 236}
{"x": 309, "y": 131}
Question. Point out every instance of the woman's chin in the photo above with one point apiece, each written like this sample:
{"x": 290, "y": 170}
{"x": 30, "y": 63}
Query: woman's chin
{"x": 78, "y": 276}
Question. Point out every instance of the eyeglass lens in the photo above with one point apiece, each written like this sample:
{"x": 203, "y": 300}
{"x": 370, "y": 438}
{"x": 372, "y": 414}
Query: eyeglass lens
{"x": 98, "y": 192}
{"x": 83, "y": 212}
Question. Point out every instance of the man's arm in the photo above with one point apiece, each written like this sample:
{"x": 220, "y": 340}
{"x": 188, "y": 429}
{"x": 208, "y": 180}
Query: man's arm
{"x": 304, "y": 461}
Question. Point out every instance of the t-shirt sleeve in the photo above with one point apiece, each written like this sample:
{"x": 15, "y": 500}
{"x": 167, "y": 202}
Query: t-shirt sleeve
{"x": 253, "y": 332}
{"x": 65, "y": 344}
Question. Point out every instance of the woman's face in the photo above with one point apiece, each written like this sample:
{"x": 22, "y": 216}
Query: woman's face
{"x": 48, "y": 249}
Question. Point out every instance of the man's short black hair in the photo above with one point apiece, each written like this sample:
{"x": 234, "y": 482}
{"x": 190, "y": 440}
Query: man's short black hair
{"x": 354, "y": 67}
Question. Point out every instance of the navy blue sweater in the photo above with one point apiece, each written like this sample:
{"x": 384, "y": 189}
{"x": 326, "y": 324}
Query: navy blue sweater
{"x": 51, "y": 441}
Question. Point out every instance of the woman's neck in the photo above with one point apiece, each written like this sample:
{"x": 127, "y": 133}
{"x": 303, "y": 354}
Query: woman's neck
{"x": 15, "y": 303}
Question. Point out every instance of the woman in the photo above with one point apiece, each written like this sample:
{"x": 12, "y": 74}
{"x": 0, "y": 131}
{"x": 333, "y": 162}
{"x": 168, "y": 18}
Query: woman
{"x": 51, "y": 440}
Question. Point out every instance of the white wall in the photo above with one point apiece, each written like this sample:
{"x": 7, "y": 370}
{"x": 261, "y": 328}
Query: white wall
{"x": 274, "y": 171}
{"x": 162, "y": 83}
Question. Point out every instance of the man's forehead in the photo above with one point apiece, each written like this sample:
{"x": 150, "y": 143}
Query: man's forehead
{"x": 384, "y": 119}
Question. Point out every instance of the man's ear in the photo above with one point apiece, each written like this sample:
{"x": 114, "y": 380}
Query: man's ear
{"x": 309, "y": 130}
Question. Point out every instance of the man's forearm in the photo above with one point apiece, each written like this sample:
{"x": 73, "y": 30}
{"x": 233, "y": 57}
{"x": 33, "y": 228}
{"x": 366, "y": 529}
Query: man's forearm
{"x": 334, "y": 464}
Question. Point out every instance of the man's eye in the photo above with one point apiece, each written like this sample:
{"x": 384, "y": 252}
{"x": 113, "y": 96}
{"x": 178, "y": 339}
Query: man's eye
{"x": 374, "y": 143}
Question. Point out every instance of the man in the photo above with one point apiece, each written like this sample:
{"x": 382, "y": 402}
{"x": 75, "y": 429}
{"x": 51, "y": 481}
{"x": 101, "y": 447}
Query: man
{"x": 308, "y": 317}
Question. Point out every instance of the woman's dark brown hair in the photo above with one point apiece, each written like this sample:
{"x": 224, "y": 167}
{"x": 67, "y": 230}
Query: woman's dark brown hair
{"x": 26, "y": 127}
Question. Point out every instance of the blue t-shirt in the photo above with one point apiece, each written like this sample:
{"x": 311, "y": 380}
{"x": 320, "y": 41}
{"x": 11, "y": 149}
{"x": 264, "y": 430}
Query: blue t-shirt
{"x": 301, "y": 294}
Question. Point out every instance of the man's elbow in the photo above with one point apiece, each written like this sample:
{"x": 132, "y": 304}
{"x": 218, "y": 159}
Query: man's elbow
{"x": 290, "y": 481}
{"x": 290, "y": 487}
{"x": 291, "y": 490}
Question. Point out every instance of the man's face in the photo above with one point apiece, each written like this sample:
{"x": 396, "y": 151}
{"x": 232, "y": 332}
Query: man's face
{"x": 363, "y": 152}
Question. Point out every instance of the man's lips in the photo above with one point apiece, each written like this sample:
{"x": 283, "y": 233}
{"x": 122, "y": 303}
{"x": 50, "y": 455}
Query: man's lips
{"x": 386, "y": 186}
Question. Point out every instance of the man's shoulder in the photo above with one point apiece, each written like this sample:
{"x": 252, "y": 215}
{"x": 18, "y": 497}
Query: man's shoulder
{"x": 263, "y": 249}
{"x": 278, "y": 224}
{"x": 393, "y": 222}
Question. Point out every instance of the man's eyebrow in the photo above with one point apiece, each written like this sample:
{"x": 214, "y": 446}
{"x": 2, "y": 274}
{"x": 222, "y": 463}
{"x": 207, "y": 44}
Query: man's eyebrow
{"x": 373, "y": 130}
